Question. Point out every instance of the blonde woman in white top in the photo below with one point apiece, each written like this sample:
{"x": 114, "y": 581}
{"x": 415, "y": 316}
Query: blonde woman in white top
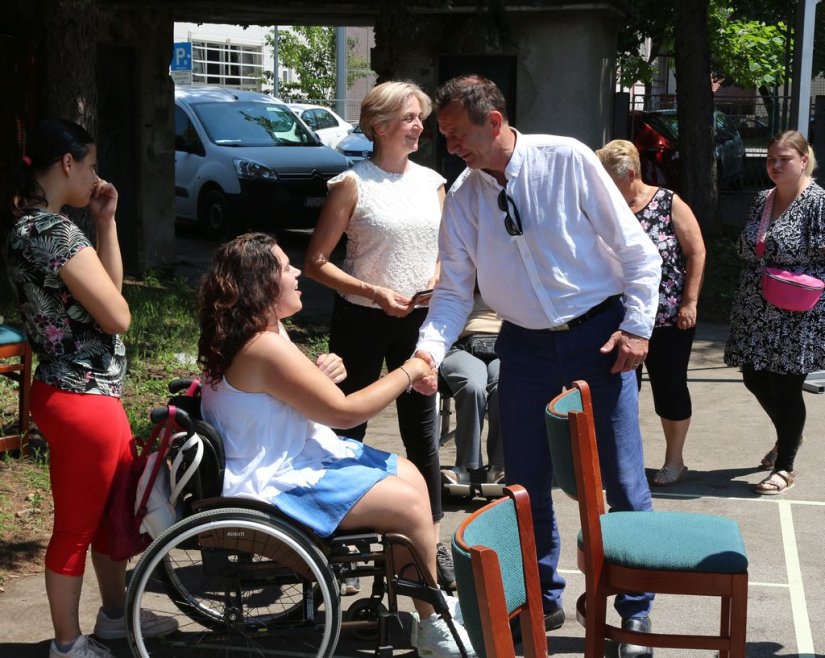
{"x": 390, "y": 210}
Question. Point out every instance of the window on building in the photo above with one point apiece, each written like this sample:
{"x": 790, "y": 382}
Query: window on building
{"x": 227, "y": 64}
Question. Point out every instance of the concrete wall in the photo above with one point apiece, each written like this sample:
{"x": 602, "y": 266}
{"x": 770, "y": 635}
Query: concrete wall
{"x": 146, "y": 172}
{"x": 565, "y": 61}
{"x": 565, "y": 74}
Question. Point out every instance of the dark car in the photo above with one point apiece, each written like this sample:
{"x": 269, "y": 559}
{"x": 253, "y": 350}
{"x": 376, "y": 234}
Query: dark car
{"x": 656, "y": 136}
{"x": 244, "y": 159}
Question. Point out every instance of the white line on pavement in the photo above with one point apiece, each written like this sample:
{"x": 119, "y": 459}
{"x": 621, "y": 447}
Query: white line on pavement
{"x": 801, "y": 621}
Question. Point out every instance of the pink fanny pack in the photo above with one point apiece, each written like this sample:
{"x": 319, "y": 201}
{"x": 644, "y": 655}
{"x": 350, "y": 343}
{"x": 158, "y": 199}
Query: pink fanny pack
{"x": 785, "y": 290}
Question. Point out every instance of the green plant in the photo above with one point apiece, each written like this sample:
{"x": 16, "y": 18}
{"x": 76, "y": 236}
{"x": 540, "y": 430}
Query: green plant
{"x": 721, "y": 280}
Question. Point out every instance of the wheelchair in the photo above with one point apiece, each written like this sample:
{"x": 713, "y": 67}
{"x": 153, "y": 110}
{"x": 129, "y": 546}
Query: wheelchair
{"x": 243, "y": 579}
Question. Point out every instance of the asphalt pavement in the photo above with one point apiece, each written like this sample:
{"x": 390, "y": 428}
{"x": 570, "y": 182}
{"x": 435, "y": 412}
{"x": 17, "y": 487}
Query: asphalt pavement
{"x": 728, "y": 436}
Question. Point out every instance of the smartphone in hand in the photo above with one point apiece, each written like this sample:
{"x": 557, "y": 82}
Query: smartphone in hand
{"x": 422, "y": 297}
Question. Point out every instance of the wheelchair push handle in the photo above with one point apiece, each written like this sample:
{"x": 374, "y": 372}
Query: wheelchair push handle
{"x": 160, "y": 414}
{"x": 189, "y": 385}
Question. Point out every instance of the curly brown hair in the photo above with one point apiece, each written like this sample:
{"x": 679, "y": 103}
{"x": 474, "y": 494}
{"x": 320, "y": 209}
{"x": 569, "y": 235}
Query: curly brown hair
{"x": 236, "y": 298}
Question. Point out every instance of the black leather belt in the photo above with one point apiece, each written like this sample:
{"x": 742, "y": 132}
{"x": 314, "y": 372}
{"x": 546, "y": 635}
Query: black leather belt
{"x": 587, "y": 315}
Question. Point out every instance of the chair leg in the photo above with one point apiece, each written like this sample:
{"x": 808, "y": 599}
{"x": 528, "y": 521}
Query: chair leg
{"x": 595, "y": 620}
{"x": 724, "y": 624}
{"x": 739, "y": 616}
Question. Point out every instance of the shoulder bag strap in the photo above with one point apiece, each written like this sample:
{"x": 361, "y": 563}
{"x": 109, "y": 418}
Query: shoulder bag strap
{"x": 764, "y": 222}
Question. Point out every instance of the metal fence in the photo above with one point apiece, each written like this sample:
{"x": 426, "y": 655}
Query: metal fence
{"x": 757, "y": 119}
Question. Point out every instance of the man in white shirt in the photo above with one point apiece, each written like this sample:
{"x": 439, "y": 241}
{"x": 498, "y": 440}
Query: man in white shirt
{"x": 560, "y": 257}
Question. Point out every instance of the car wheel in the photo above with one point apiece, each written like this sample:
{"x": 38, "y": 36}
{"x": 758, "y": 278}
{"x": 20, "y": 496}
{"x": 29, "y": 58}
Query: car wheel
{"x": 213, "y": 214}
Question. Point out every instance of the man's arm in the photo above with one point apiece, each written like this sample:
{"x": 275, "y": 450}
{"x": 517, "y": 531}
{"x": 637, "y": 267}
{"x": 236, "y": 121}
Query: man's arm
{"x": 452, "y": 299}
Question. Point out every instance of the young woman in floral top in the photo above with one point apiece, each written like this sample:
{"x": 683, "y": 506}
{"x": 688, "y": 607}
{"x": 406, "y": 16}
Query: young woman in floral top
{"x": 673, "y": 228}
{"x": 70, "y": 297}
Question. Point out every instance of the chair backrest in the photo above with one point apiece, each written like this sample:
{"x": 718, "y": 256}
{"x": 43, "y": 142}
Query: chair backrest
{"x": 572, "y": 437}
{"x": 496, "y": 569}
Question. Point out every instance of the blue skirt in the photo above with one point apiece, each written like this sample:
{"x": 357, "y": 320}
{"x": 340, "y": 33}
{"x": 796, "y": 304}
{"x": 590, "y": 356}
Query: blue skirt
{"x": 322, "y": 506}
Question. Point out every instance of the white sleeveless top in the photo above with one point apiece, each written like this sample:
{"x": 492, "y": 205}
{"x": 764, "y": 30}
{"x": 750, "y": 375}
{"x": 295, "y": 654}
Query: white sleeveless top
{"x": 392, "y": 236}
{"x": 270, "y": 446}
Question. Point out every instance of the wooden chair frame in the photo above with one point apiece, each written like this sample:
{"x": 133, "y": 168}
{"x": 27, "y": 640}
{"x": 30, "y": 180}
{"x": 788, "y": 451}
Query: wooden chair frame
{"x": 21, "y": 372}
{"x": 603, "y": 579}
{"x": 491, "y": 600}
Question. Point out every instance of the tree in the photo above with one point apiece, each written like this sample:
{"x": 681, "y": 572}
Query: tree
{"x": 695, "y": 108}
{"x": 310, "y": 51}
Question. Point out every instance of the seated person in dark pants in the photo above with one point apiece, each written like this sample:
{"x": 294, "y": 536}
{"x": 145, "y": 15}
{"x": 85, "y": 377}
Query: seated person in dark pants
{"x": 472, "y": 377}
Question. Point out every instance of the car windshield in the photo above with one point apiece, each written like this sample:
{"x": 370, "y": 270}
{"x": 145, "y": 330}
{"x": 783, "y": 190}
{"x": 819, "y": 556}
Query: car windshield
{"x": 252, "y": 124}
{"x": 664, "y": 124}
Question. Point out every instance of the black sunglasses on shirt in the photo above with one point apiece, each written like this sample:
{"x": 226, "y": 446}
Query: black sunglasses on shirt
{"x": 512, "y": 225}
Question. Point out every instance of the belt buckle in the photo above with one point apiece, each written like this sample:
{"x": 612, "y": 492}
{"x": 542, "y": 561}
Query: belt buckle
{"x": 560, "y": 327}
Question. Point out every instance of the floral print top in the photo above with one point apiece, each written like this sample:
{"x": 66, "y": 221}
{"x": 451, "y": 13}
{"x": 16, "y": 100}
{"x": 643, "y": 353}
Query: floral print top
{"x": 74, "y": 353}
{"x": 656, "y": 219}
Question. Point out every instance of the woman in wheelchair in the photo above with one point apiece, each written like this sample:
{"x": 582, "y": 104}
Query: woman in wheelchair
{"x": 274, "y": 408}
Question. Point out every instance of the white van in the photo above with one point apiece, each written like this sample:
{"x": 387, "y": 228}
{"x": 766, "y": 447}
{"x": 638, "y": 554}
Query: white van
{"x": 244, "y": 160}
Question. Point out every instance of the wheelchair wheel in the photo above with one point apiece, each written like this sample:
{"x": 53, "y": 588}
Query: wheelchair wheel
{"x": 239, "y": 582}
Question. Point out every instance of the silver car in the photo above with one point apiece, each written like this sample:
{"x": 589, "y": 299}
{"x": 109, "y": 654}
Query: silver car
{"x": 355, "y": 146}
{"x": 244, "y": 160}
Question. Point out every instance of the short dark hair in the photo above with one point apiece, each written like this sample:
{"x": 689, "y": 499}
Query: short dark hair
{"x": 476, "y": 94}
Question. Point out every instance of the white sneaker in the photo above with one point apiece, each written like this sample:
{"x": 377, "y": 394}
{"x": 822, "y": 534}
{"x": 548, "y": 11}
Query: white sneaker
{"x": 432, "y": 637}
{"x": 84, "y": 647}
{"x": 151, "y": 625}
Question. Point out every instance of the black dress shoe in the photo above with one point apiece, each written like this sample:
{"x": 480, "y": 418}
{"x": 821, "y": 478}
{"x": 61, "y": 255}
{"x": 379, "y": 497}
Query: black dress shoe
{"x": 634, "y": 650}
{"x": 555, "y": 620}
{"x": 552, "y": 622}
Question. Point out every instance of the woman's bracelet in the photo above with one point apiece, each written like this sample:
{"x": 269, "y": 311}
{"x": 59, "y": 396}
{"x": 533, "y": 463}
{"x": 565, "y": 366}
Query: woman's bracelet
{"x": 404, "y": 370}
{"x": 374, "y": 293}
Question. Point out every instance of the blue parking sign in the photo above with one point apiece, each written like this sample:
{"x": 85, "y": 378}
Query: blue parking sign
{"x": 181, "y": 56}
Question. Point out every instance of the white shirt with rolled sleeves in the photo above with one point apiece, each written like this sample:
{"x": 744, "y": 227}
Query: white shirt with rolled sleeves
{"x": 581, "y": 245}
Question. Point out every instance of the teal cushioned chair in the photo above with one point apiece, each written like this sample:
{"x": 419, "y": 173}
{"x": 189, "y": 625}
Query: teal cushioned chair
{"x": 662, "y": 552}
{"x": 496, "y": 571}
{"x": 16, "y": 364}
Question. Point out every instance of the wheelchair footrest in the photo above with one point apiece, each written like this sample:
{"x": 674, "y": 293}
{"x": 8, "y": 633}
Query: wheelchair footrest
{"x": 471, "y": 490}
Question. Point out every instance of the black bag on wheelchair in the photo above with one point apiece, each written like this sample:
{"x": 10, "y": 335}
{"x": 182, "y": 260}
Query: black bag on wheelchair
{"x": 193, "y": 459}
{"x": 481, "y": 346}
{"x": 208, "y": 479}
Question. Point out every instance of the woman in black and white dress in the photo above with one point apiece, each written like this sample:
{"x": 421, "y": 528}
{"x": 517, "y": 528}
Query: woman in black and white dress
{"x": 775, "y": 348}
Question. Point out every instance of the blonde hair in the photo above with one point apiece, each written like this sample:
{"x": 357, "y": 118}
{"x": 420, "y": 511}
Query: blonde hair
{"x": 620, "y": 157}
{"x": 796, "y": 140}
{"x": 385, "y": 100}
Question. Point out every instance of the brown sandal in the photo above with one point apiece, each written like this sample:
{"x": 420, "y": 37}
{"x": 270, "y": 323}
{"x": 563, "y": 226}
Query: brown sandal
{"x": 776, "y": 483}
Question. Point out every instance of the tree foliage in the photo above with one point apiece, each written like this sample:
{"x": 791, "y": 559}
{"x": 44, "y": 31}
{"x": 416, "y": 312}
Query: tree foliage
{"x": 310, "y": 51}
{"x": 748, "y": 53}
{"x": 748, "y": 41}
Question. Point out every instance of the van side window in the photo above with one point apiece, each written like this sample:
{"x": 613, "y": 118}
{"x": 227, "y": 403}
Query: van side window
{"x": 186, "y": 138}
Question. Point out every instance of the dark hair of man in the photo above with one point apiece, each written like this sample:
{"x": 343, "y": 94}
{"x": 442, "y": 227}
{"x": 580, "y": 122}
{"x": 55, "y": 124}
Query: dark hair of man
{"x": 236, "y": 298}
{"x": 476, "y": 94}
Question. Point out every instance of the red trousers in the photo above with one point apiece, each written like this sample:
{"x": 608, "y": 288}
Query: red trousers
{"x": 88, "y": 435}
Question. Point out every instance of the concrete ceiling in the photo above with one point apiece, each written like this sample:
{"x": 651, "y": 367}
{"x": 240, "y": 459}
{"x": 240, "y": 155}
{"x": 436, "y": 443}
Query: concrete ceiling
{"x": 316, "y": 12}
